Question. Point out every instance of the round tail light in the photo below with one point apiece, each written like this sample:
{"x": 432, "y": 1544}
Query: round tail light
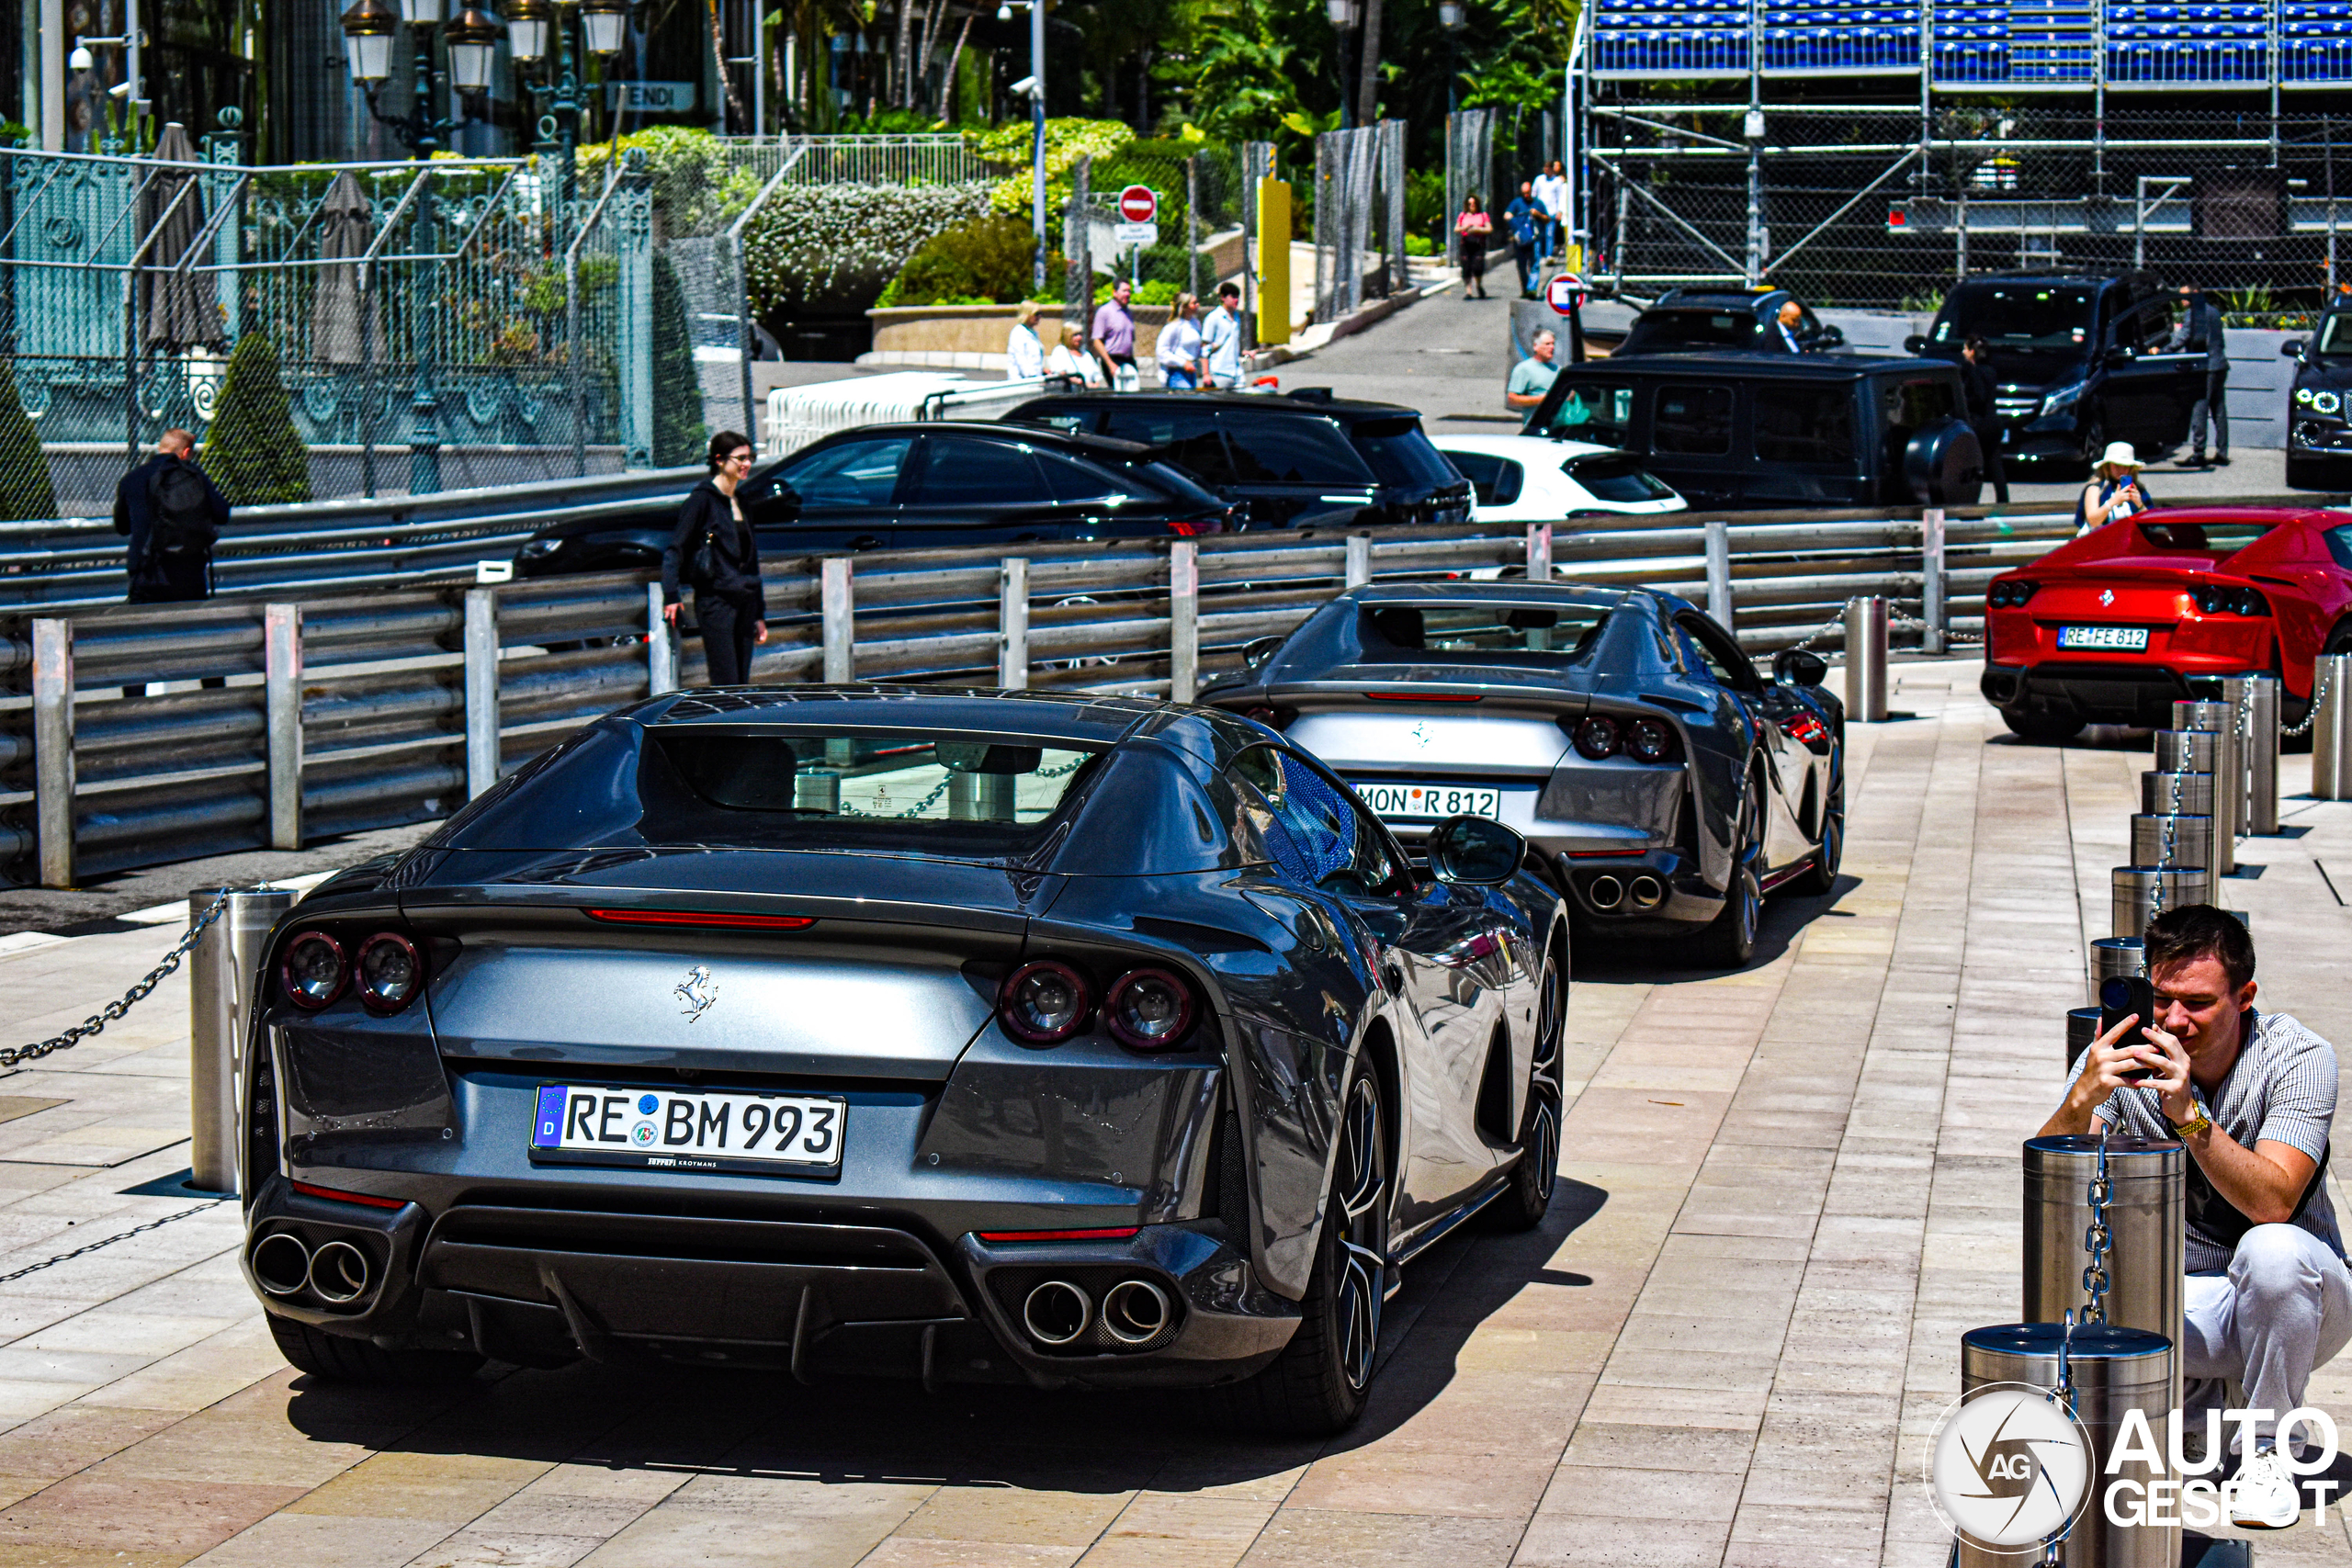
{"x": 1597, "y": 737}
{"x": 1649, "y": 740}
{"x": 1149, "y": 1010}
{"x": 391, "y": 972}
{"x": 1043, "y": 1002}
{"x": 312, "y": 971}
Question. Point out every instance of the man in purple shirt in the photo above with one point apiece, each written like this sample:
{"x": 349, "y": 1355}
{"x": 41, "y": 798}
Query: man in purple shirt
{"x": 1115, "y": 337}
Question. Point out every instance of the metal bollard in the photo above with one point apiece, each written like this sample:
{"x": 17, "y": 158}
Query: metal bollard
{"x": 2082, "y": 1027}
{"x": 221, "y": 991}
{"x": 2172, "y": 840}
{"x": 2221, "y": 721}
{"x": 2113, "y": 1371}
{"x": 1866, "y": 659}
{"x": 2147, "y": 1210}
{"x": 1933, "y": 611}
{"x": 2113, "y": 955}
{"x": 2177, "y": 794}
{"x": 2256, "y": 699}
{"x": 1719, "y": 606}
{"x": 837, "y": 610}
{"x": 2138, "y": 894}
{"x": 2332, "y": 727}
{"x": 2187, "y": 751}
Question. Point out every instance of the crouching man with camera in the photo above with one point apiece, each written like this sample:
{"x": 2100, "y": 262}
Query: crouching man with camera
{"x": 2252, "y": 1094}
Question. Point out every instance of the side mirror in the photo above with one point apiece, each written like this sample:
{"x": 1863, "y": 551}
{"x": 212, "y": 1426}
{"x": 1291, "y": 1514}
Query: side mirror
{"x": 1475, "y": 852}
{"x": 2292, "y": 349}
{"x": 1829, "y": 337}
{"x": 1257, "y": 650}
{"x": 1915, "y": 344}
{"x": 1797, "y": 667}
{"x": 2117, "y": 356}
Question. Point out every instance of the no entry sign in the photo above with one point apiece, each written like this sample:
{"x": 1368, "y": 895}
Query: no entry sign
{"x": 1564, "y": 292}
{"x": 1138, "y": 205}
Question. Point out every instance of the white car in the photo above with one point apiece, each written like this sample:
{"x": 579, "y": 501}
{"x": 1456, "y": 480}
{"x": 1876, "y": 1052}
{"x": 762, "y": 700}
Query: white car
{"x": 1531, "y": 479}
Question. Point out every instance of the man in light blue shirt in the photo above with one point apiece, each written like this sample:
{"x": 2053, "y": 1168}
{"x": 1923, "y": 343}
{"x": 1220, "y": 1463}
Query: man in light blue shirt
{"x": 1221, "y": 337}
{"x": 1532, "y": 377}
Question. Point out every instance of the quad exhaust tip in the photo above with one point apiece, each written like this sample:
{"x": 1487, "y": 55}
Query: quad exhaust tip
{"x": 1056, "y": 1313}
{"x": 281, "y": 1263}
{"x": 1606, "y": 892}
{"x": 1647, "y": 893}
{"x": 339, "y": 1273}
{"x": 1134, "y": 1312}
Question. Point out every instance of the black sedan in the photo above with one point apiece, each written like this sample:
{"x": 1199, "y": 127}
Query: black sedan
{"x": 915, "y": 486}
{"x": 966, "y": 1036}
{"x": 1666, "y": 784}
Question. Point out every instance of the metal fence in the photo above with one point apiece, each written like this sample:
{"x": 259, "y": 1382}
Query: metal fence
{"x": 1359, "y": 217}
{"x": 1888, "y": 206}
{"x": 144, "y": 733}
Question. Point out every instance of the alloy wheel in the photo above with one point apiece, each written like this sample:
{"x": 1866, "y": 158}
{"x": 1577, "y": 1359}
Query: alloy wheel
{"x": 1544, "y": 1088}
{"x": 1362, "y": 1196}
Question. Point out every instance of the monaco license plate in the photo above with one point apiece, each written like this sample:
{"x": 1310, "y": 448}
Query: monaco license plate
{"x": 668, "y": 1130}
{"x": 2112, "y": 640}
{"x": 1429, "y": 800}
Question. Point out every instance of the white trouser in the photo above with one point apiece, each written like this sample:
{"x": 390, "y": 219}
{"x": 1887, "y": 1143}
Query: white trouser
{"x": 2282, "y": 1307}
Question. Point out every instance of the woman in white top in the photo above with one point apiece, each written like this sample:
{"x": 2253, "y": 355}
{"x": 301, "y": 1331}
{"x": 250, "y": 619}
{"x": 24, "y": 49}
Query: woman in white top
{"x": 1180, "y": 347}
{"x": 2115, "y": 491}
{"x": 1024, "y": 355}
{"x": 1069, "y": 358}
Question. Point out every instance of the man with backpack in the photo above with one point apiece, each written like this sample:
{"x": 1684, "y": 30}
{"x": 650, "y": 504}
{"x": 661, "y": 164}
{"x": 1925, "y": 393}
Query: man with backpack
{"x": 174, "y": 514}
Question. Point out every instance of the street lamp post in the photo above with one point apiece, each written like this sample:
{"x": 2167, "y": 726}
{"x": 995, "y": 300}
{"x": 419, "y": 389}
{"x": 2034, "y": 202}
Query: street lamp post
{"x": 1034, "y": 86}
{"x": 472, "y": 36}
{"x": 1344, "y": 15}
{"x": 1453, "y": 15}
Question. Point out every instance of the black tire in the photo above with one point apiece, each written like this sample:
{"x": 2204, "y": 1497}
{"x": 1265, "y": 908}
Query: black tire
{"x": 1317, "y": 1385}
{"x": 1820, "y": 879}
{"x": 2093, "y": 447}
{"x": 1527, "y": 1196}
{"x": 2030, "y": 724}
{"x": 338, "y": 1360}
{"x": 1729, "y": 940}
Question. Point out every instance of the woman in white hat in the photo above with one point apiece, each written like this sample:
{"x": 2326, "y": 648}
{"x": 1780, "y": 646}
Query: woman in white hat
{"x": 2114, "y": 491}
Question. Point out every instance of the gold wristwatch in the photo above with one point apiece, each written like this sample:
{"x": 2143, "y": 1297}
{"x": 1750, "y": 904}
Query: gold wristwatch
{"x": 2201, "y": 1123}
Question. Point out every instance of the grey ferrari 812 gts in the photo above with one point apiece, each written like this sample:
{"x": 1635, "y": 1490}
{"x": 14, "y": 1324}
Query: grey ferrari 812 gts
{"x": 1665, "y": 782}
{"x": 959, "y": 1036}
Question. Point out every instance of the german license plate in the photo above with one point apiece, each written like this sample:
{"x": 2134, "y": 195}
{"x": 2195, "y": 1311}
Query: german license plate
{"x": 2112, "y": 639}
{"x": 1430, "y": 800}
{"x": 669, "y": 1130}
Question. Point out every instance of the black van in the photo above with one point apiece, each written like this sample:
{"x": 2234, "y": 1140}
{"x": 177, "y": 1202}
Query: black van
{"x": 1752, "y": 430}
{"x": 1294, "y": 460}
{"x": 2319, "y": 419}
{"x": 2078, "y": 361}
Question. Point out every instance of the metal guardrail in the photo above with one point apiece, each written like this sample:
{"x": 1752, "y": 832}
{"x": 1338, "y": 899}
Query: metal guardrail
{"x": 76, "y": 563}
{"x": 140, "y": 734}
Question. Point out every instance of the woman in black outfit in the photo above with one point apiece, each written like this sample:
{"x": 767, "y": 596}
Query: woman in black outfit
{"x": 729, "y": 604}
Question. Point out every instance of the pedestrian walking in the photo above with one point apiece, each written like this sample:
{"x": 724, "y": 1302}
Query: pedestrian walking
{"x": 175, "y": 515}
{"x": 1070, "y": 357}
{"x": 1532, "y": 377}
{"x": 1024, "y": 352}
{"x": 1985, "y": 412}
{"x": 2115, "y": 491}
{"x": 1221, "y": 337}
{"x": 1524, "y": 217}
{"x": 1114, "y": 339}
{"x": 1552, "y": 190}
{"x": 1472, "y": 230}
{"x": 2206, "y": 331}
{"x": 714, "y": 551}
{"x": 1180, "y": 347}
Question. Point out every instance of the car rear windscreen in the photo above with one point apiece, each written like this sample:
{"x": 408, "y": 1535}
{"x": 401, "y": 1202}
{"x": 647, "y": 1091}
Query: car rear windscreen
{"x": 1401, "y": 453}
{"x": 1617, "y": 479}
{"x": 684, "y": 785}
{"x": 2202, "y": 538}
{"x": 1512, "y": 635}
{"x": 1693, "y": 329}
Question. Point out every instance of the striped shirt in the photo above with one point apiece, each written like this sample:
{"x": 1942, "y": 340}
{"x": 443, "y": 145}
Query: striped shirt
{"x": 2282, "y": 1088}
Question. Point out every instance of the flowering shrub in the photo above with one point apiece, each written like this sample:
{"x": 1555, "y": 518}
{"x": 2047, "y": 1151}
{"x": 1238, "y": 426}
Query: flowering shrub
{"x": 808, "y": 239}
{"x": 987, "y": 262}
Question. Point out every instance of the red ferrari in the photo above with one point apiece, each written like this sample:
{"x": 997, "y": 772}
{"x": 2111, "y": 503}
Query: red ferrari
{"x": 2110, "y": 628}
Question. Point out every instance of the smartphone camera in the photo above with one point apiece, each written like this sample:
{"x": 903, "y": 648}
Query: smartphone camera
{"x": 2125, "y": 996}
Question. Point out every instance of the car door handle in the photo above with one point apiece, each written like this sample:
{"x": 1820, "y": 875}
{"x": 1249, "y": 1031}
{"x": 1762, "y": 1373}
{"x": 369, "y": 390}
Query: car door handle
{"x": 866, "y": 542}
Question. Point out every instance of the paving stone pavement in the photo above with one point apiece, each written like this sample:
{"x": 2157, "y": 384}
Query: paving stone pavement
{"x": 1786, "y": 1192}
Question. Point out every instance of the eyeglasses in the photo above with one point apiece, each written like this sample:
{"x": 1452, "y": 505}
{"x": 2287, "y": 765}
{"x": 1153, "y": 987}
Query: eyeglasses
{"x": 738, "y": 458}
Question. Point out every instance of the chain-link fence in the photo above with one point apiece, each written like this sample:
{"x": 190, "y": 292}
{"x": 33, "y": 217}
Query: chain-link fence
{"x": 1359, "y": 217}
{"x": 1888, "y": 210}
